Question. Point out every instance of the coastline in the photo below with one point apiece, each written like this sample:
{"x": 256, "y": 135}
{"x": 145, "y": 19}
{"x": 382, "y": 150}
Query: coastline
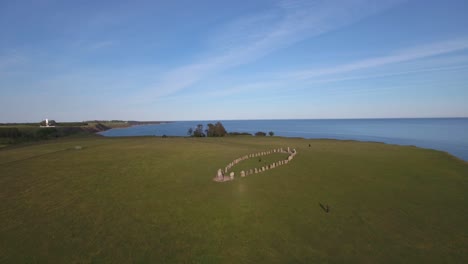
{"x": 442, "y": 134}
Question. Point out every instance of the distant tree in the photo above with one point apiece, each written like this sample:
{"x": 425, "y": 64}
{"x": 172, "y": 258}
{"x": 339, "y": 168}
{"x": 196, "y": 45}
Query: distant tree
{"x": 210, "y": 131}
{"x": 220, "y": 131}
{"x": 198, "y": 132}
{"x": 271, "y": 133}
{"x": 216, "y": 130}
{"x": 260, "y": 134}
{"x": 190, "y": 132}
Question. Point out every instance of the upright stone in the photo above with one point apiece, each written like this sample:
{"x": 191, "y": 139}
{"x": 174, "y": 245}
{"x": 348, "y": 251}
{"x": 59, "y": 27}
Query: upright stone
{"x": 242, "y": 173}
{"x": 220, "y": 175}
{"x": 231, "y": 175}
{"x": 256, "y": 170}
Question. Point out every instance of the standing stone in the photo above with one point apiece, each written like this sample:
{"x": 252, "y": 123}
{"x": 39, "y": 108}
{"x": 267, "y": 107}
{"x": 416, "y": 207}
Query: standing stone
{"x": 286, "y": 161}
{"x": 231, "y": 175}
{"x": 289, "y": 151}
{"x": 256, "y": 170}
{"x": 290, "y": 158}
{"x": 242, "y": 173}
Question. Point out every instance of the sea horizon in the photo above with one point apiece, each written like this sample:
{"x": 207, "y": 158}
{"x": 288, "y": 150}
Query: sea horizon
{"x": 280, "y": 119}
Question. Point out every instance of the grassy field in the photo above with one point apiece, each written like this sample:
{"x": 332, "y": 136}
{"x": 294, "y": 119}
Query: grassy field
{"x": 152, "y": 200}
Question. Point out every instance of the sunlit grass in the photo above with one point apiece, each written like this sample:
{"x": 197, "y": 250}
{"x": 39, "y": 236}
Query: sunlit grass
{"x": 153, "y": 200}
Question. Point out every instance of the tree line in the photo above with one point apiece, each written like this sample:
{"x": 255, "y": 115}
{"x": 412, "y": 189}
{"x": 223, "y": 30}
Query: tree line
{"x": 218, "y": 130}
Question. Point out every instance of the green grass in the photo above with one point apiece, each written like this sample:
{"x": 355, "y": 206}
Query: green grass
{"x": 152, "y": 200}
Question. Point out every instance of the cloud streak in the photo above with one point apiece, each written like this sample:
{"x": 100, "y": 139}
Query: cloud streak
{"x": 314, "y": 76}
{"x": 425, "y": 51}
{"x": 298, "y": 20}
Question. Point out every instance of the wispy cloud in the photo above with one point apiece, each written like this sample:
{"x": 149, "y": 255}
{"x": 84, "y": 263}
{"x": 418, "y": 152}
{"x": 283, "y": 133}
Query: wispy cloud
{"x": 244, "y": 41}
{"x": 8, "y": 61}
{"x": 100, "y": 45}
{"x": 400, "y": 56}
{"x": 392, "y": 74}
{"x": 338, "y": 72}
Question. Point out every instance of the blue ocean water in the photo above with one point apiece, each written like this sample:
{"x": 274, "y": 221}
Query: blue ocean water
{"x": 446, "y": 134}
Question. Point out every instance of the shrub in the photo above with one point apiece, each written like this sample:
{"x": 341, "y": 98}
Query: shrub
{"x": 10, "y": 132}
{"x": 239, "y": 134}
{"x": 260, "y": 134}
{"x": 45, "y": 133}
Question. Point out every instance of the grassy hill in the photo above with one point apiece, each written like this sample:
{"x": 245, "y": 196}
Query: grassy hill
{"x": 26, "y": 133}
{"x": 152, "y": 200}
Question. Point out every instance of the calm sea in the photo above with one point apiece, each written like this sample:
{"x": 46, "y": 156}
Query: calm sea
{"x": 446, "y": 134}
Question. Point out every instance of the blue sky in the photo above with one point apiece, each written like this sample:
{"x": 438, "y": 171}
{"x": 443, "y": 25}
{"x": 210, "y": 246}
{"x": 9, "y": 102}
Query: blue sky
{"x": 209, "y": 60}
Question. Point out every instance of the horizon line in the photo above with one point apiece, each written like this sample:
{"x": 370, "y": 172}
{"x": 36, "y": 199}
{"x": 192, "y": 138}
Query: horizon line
{"x": 259, "y": 119}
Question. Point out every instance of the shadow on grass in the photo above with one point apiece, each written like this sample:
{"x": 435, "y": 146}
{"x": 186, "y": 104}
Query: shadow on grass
{"x": 325, "y": 208}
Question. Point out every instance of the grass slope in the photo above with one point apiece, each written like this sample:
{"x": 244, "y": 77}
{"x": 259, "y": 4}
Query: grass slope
{"x": 152, "y": 200}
